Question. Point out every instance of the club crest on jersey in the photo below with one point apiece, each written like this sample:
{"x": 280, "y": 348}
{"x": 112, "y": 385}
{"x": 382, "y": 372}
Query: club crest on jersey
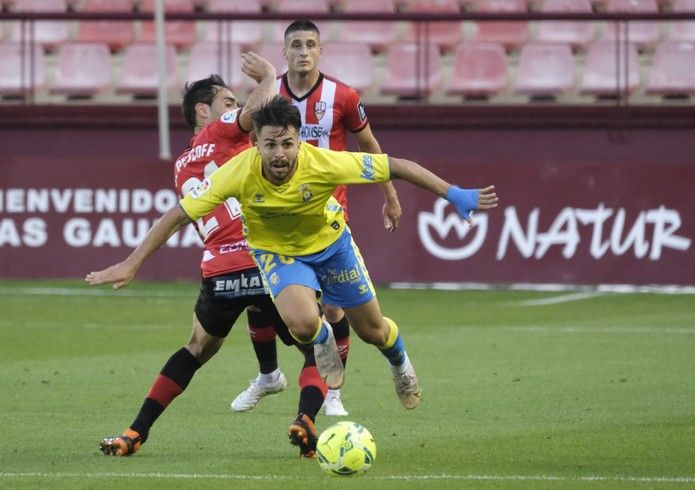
{"x": 319, "y": 109}
{"x": 201, "y": 189}
{"x": 305, "y": 191}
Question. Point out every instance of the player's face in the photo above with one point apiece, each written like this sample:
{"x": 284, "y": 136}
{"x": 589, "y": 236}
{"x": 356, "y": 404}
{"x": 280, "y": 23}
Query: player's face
{"x": 302, "y": 51}
{"x": 278, "y": 148}
{"x": 224, "y": 101}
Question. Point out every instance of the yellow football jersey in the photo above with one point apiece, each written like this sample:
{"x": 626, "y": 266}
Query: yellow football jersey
{"x": 299, "y": 217}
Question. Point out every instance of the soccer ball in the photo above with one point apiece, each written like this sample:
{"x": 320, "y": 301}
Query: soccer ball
{"x": 345, "y": 449}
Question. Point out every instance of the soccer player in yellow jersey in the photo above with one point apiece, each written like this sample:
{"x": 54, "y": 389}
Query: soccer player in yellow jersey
{"x": 298, "y": 236}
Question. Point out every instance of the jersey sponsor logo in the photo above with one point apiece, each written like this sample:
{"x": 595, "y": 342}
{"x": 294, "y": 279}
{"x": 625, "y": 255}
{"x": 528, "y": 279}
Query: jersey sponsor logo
{"x": 367, "y": 168}
{"x": 361, "y": 112}
{"x": 312, "y": 132}
{"x": 229, "y": 117}
{"x": 305, "y": 191}
{"x": 201, "y": 189}
{"x": 319, "y": 109}
{"x": 198, "y": 151}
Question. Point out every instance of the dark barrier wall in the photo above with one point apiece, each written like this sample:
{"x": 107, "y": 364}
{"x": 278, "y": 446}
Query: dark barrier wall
{"x": 579, "y": 206}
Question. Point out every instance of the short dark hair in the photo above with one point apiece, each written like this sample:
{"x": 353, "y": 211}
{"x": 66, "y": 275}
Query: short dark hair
{"x": 278, "y": 111}
{"x": 199, "y": 91}
{"x": 301, "y": 25}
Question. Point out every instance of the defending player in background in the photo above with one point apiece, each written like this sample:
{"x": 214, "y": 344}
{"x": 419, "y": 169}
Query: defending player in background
{"x": 231, "y": 281}
{"x": 297, "y": 234}
{"x": 329, "y": 110}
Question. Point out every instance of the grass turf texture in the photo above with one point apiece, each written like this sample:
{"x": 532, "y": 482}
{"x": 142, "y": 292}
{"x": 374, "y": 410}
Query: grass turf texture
{"x": 594, "y": 393}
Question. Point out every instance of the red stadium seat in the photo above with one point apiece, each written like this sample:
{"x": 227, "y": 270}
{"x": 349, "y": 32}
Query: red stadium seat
{"x": 273, "y": 53}
{"x": 413, "y": 71}
{"x": 302, "y": 8}
{"x": 603, "y": 77}
{"x": 207, "y": 58}
{"x": 351, "y": 63}
{"x": 673, "y": 69}
{"x": 247, "y": 33}
{"x": 378, "y": 34}
{"x": 510, "y": 33}
{"x": 644, "y": 34}
{"x": 139, "y": 75}
{"x": 115, "y": 33}
{"x": 13, "y": 80}
{"x": 181, "y": 34}
{"x": 480, "y": 69}
{"x": 578, "y": 34}
{"x": 48, "y": 33}
{"x": 683, "y": 30}
{"x": 544, "y": 70}
{"x": 446, "y": 35}
{"x": 82, "y": 69}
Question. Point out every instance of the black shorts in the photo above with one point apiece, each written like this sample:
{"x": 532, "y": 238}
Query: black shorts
{"x": 222, "y": 299}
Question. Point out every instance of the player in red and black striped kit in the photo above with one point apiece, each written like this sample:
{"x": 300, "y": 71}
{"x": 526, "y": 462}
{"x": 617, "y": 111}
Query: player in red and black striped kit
{"x": 329, "y": 110}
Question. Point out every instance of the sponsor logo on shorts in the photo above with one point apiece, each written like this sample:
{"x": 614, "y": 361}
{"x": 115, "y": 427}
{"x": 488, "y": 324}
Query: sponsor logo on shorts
{"x": 344, "y": 276}
{"x": 274, "y": 279}
{"x": 238, "y": 283}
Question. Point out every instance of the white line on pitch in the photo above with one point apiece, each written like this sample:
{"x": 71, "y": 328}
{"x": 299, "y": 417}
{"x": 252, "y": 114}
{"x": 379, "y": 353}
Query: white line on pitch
{"x": 554, "y": 300}
{"x": 232, "y": 476}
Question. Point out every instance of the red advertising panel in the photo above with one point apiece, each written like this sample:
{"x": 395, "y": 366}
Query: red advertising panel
{"x": 576, "y": 208}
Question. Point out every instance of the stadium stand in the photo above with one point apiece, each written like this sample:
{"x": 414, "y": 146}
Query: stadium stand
{"x": 576, "y": 33}
{"x": 673, "y": 72}
{"x": 683, "y": 30}
{"x": 15, "y": 81}
{"x": 446, "y": 35}
{"x": 181, "y": 34}
{"x": 378, "y": 34}
{"x": 544, "y": 70}
{"x": 208, "y": 57}
{"x": 511, "y": 34}
{"x": 412, "y": 71}
{"x": 350, "y": 63}
{"x": 246, "y": 33}
{"x": 273, "y": 53}
{"x": 480, "y": 70}
{"x": 277, "y": 29}
{"x": 116, "y": 34}
{"x": 605, "y": 68}
{"x": 82, "y": 69}
{"x": 643, "y": 34}
{"x": 139, "y": 76}
{"x": 47, "y": 33}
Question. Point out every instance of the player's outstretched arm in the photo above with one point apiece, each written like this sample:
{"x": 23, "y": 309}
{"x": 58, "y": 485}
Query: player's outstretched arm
{"x": 464, "y": 200}
{"x": 263, "y": 72}
{"x": 122, "y": 273}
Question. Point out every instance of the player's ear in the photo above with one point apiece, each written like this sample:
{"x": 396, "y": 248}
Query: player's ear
{"x": 202, "y": 110}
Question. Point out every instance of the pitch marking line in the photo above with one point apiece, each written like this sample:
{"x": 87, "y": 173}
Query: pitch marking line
{"x": 228, "y": 476}
{"x": 554, "y": 300}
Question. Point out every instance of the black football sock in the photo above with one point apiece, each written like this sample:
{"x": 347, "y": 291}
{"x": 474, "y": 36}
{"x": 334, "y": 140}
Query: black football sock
{"x": 170, "y": 383}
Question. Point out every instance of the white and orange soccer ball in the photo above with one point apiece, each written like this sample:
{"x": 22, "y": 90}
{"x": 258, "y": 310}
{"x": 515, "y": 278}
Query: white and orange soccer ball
{"x": 345, "y": 449}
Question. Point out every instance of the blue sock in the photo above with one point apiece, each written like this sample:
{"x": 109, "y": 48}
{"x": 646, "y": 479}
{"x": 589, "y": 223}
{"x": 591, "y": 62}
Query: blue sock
{"x": 321, "y": 336}
{"x": 396, "y": 353}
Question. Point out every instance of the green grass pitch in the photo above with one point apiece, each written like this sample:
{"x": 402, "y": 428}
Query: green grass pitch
{"x": 598, "y": 392}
